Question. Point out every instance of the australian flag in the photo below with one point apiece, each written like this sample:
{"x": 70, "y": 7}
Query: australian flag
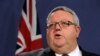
{"x": 29, "y": 37}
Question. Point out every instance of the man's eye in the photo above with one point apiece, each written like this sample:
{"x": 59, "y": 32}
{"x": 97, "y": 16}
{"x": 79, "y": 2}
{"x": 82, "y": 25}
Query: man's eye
{"x": 50, "y": 25}
{"x": 65, "y": 23}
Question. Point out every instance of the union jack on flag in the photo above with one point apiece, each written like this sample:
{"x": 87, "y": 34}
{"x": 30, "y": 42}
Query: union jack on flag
{"x": 28, "y": 37}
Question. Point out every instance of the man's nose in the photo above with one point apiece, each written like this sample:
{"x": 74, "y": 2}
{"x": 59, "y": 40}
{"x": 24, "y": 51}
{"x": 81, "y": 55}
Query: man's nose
{"x": 57, "y": 27}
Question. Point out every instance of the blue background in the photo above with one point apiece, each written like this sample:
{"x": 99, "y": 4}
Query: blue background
{"x": 10, "y": 11}
{"x": 89, "y": 15}
{"x": 87, "y": 10}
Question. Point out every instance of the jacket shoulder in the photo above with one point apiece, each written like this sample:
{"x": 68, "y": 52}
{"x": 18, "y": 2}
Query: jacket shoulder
{"x": 32, "y": 53}
{"x": 85, "y": 53}
{"x": 89, "y": 54}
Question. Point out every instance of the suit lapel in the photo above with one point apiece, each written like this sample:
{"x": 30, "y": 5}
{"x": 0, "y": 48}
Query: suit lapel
{"x": 48, "y": 52}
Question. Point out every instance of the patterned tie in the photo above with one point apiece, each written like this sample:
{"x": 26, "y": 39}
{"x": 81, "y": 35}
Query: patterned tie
{"x": 64, "y": 55}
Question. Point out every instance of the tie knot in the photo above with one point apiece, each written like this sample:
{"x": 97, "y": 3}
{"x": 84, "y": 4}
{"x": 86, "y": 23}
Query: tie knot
{"x": 64, "y": 55}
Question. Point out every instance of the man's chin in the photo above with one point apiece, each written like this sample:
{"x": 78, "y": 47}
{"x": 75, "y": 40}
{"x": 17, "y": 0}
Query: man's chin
{"x": 59, "y": 45}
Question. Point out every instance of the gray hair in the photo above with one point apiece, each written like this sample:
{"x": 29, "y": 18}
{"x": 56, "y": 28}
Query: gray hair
{"x": 64, "y": 8}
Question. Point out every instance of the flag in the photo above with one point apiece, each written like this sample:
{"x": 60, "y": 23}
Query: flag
{"x": 29, "y": 37}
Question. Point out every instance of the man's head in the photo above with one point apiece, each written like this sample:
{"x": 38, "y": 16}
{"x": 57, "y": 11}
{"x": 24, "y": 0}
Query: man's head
{"x": 63, "y": 29}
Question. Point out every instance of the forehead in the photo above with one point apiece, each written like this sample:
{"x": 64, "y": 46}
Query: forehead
{"x": 61, "y": 15}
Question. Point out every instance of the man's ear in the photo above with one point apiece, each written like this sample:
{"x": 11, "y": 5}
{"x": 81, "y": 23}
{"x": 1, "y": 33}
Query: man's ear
{"x": 78, "y": 30}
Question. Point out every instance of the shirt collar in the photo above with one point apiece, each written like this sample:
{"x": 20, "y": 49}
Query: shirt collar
{"x": 75, "y": 52}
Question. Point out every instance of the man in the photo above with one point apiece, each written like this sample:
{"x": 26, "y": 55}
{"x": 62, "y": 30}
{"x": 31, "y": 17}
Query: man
{"x": 63, "y": 29}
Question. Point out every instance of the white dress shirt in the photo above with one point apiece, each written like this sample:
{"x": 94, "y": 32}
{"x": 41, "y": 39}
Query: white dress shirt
{"x": 75, "y": 52}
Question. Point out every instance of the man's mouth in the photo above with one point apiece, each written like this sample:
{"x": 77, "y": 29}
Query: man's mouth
{"x": 57, "y": 35}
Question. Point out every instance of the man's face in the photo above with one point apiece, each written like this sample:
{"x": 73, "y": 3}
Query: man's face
{"x": 60, "y": 35}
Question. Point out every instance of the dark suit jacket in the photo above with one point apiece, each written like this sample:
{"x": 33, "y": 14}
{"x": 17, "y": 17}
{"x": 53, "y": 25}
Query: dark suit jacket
{"x": 49, "y": 52}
